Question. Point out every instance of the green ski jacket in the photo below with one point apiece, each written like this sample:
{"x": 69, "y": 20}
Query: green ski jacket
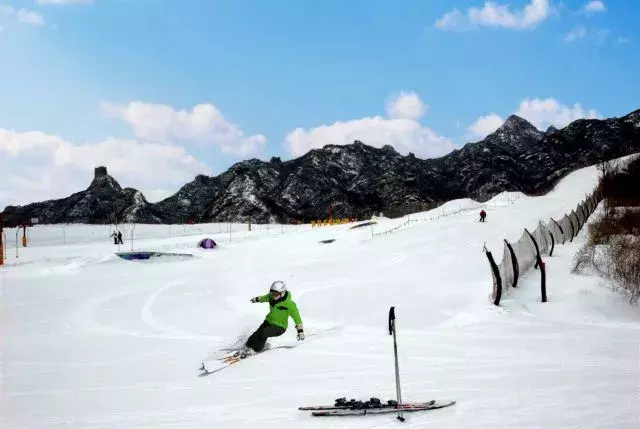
{"x": 280, "y": 311}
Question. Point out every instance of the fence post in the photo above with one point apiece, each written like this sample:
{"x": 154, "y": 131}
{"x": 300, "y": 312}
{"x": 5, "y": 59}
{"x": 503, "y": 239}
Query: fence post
{"x": 132, "y": 229}
{"x": 538, "y": 258}
{"x": 543, "y": 281}
{"x": 543, "y": 273}
{"x": 573, "y": 231}
{"x": 578, "y": 217}
{"x": 514, "y": 262}
{"x": 17, "y": 233}
{"x": 560, "y": 228}
{"x": 497, "y": 287}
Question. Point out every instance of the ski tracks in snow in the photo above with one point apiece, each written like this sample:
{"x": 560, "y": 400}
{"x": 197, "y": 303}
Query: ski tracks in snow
{"x": 86, "y": 316}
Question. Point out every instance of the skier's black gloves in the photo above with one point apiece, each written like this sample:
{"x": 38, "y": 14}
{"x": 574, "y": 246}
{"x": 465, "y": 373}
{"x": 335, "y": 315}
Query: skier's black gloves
{"x": 255, "y": 299}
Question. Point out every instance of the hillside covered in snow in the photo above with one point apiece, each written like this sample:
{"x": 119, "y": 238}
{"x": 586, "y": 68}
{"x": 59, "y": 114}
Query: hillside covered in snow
{"x": 90, "y": 340}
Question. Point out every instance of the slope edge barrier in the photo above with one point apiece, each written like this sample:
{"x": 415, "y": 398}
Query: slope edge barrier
{"x": 526, "y": 253}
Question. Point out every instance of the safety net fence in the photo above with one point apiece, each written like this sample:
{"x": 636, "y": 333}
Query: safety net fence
{"x": 525, "y": 254}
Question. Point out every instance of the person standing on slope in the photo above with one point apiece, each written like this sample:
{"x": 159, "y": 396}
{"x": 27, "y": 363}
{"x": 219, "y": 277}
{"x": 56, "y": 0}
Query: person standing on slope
{"x": 276, "y": 322}
{"x": 483, "y": 215}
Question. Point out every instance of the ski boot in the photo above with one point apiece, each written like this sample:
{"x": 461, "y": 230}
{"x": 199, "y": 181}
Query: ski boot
{"x": 245, "y": 352}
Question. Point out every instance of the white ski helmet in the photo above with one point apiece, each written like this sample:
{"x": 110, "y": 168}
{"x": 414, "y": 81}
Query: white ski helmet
{"x": 278, "y": 286}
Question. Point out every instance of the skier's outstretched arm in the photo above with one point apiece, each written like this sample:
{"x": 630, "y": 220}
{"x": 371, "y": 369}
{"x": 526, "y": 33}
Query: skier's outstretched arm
{"x": 295, "y": 315}
{"x": 263, "y": 298}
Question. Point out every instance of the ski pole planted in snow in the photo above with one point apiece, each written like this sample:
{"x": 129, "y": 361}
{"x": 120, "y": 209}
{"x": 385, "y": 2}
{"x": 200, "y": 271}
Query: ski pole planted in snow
{"x": 392, "y": 331}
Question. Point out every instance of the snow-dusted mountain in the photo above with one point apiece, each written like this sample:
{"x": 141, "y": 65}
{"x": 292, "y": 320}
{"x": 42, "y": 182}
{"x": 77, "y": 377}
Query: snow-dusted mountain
{"x": 104, "y": 201}
{"x": 358, "y": 180}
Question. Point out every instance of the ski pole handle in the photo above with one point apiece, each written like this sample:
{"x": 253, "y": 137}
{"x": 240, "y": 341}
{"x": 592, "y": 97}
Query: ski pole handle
{"x": 392, "y": 318}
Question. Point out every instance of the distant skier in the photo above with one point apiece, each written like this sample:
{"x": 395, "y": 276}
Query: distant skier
{"x": 483, "y": 215}
{"x": 276, "y": 322}
{"x": 115, "y": 237}
{"x": 120, "y": 237}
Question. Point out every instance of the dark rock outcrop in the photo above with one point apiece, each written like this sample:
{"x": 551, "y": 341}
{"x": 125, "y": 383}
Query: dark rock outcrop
{"x": 104, "y": 201}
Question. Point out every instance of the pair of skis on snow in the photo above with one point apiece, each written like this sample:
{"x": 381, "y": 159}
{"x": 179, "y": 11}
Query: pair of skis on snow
{"x": 342, "y": 407}
{"x": 234, "y": 356}
{"x": 212, "y": 366}
{"x": 368, "y": 408}
{"x": 374, "y": 405}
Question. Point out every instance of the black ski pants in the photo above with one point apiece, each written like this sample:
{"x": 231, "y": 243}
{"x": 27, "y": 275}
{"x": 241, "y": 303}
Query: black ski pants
{"x": 257, "y": 340}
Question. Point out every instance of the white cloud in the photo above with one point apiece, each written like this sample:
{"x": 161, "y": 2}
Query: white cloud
{"x": 484, "y": 126}
{"x": 578, "y": 32}
{"x": 454, "y": 20}
{"x": 595, "y": 6}
{"x": 22, "y": 15}
{"x": 42, "y": 166}
{"x": 156, "y": 195}
{"x": 30, "y": 183}
{"x": 204, "y": 124}
{"x": 401, "y": 130}
{"x": 405, "y": 135}
{"x": 599, "y": 36}
{"x": 622, "y": 41}
{"x": 29, "y": 17}
{"x": 407, "y": 105}
{"x": 493, "y": 14}
{"x": 133, "y": 160}
{"x": 30, "y": 142}
{"x": 547, "y": 112}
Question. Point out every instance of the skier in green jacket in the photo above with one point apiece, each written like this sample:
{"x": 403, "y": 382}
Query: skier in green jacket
{"x": 275, "y": 324}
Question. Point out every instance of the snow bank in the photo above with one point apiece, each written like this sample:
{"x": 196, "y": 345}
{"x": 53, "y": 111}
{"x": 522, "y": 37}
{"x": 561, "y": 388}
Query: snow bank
{"x": 505, "y": 199}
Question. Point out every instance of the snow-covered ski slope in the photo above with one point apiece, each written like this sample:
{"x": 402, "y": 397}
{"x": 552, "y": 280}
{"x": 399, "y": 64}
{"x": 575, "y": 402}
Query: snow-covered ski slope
{"x": 89, "y": 340}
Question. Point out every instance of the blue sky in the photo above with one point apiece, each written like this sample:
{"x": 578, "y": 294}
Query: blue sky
{"x": 160, "y": 91}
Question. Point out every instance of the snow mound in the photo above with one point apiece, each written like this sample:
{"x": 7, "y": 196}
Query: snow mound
{"x": 456, "y": 206}
{"x": 505, "y": 199}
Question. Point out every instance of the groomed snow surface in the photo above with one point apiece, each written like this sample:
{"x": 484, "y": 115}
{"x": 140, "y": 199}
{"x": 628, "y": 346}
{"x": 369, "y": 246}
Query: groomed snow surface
{"x": 90, "y": 340}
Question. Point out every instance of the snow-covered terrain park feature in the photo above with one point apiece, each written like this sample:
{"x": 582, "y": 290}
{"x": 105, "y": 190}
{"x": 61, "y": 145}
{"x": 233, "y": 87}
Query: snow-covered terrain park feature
{"x": 89, "y": 340}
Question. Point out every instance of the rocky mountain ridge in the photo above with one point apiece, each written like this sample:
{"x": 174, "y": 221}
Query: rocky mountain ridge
{"x": 357, "y": 180}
